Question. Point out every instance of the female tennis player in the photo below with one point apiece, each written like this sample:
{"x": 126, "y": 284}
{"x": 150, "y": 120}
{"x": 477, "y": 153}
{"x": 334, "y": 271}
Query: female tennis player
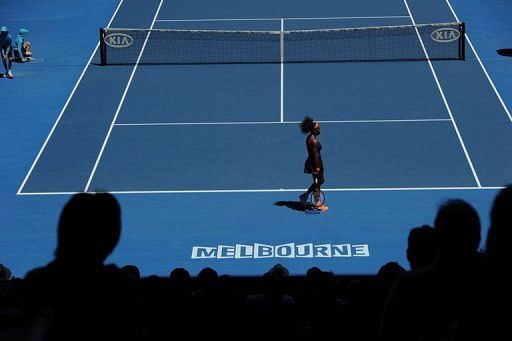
{"x": 313, "y": 164}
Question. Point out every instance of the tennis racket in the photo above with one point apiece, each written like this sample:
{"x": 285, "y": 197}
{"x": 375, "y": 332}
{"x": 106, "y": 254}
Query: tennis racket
{"x": 316, "y": 199}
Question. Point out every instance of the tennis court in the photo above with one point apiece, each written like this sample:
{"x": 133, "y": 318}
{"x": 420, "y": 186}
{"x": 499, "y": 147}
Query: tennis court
{"x": 200, "y": 151}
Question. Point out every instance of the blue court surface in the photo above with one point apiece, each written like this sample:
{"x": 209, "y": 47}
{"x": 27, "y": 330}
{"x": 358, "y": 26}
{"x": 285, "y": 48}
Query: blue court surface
{"x": 206, "y": 159}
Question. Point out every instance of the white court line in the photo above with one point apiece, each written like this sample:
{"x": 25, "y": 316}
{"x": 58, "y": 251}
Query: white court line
{"x": 280, "y": 122}
{"x": 444, "y": 98}
{"x": 121, "y": 101}
{"x": 282, "y": 70}
{"x": 483, "y": 67}
{"x": 497, "y": 59}
{"x": 213, "y": 191}
{"x": 65, "y": 106}
{"x": 276, "y": 19}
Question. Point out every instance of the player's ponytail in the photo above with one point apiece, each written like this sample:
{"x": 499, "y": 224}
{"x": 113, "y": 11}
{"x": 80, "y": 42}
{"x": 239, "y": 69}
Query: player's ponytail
{"x": 307, "y": 124}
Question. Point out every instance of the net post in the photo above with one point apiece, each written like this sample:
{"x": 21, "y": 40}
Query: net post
{"x": 103, "y": 48}
{"x": 462, "y": 41}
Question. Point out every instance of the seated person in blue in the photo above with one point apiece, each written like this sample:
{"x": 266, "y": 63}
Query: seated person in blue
{"x": 6, "y": 51}
{"x": 21, "y": 47}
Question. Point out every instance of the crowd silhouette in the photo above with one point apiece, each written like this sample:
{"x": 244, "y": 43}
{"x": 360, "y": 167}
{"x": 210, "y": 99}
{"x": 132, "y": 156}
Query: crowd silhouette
{"x": 452, "y": 291}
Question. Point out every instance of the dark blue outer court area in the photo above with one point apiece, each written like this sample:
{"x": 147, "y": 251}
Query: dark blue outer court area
{"x": 160, "y": 229}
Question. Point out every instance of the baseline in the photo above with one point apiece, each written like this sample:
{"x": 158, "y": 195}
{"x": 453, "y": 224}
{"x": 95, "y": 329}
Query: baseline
{"x": 298, "y": 190}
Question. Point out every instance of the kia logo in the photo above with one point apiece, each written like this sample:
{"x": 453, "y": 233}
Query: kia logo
{"x": 118, "y": 40}
{"x": 445, "y": 35}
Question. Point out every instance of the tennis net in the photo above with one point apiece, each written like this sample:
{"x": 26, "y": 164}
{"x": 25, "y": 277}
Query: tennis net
{"x": 387, "y": 43}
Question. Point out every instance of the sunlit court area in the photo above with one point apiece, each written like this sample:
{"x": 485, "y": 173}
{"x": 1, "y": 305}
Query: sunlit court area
{"x": 260, "y": 159}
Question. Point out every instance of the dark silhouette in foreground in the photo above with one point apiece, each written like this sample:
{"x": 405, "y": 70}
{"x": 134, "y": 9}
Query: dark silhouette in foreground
{"x": 426, "y": 303}
{"x": 85, "y": 299}
{"x": 451, "y": 293}
{"x": 488, "y": 317}
{"x": 421, "y": 247}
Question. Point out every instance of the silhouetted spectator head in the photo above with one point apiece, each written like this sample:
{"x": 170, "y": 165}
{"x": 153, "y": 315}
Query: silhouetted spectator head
{"x": 421, "y": 247}
{"x": 132, "y": 270}
{"x": 386, "y": 276}
{"x": 313, "y": 276}
{"x": 499, "y": 236}
{"x": 207, "y": 279}
{"x": 457, "y": 228}
{"x": 180, "y": 279}
{"x": 313, "y": 272}
{"x": 89, "y": 228}
{"x": 5, "y": 273}
{"x": 226, "y": 283}
{"x": 279, "y": 271}
{"x": 271, "y": 284}
{"x": 389, "y": 272}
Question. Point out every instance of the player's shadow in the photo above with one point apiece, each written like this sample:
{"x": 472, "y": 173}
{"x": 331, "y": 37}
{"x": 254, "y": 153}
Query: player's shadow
{"x": 504, "y": 52}
{"x": 293, "y": 205}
